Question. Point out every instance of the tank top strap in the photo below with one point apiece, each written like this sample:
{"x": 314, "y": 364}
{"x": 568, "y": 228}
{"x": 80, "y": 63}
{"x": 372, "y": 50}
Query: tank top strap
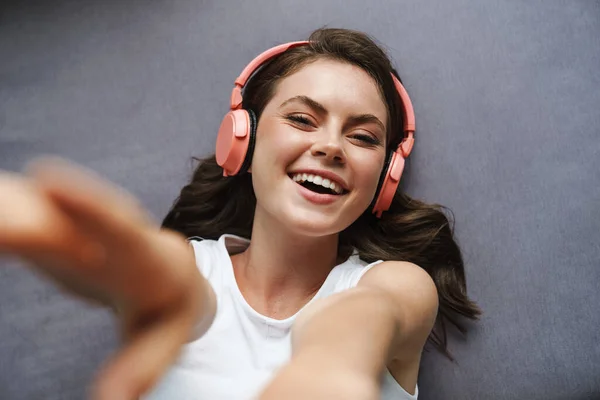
{"x": 354, "y": 269}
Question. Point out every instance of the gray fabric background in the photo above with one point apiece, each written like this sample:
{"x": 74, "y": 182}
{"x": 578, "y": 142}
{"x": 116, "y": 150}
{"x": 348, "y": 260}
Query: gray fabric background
{"x": 507, "y": 99}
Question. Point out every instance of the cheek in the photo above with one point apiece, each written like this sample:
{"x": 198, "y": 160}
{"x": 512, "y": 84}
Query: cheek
{"x": 276, "y": 143}
{"x": 272, "y": 154}
{"x": 368, "y": 169}
{"x": 265, "y": 142}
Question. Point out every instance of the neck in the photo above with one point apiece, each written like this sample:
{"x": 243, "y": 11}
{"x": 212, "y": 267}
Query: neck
{"x": 281, "y": 271}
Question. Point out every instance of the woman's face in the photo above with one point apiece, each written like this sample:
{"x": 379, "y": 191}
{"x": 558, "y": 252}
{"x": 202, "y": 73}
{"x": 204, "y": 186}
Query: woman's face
{"x": 326, "y": 123}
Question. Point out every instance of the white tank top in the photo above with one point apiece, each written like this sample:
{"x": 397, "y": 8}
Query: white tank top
{"x": 242, "y": 349}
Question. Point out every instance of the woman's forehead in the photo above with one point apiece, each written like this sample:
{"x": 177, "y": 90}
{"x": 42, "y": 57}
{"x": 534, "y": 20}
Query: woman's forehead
{"x": 334, "y": 84}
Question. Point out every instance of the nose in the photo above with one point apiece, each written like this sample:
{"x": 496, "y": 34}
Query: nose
{"x": 329, "y": 147}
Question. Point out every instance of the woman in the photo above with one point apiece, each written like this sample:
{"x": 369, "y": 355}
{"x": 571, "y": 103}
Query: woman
{"x": 289, "y": 267}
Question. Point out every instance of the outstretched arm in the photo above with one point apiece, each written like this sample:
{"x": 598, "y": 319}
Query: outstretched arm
{"x": 96, "y": 241}
{"x": 342, "y": 344}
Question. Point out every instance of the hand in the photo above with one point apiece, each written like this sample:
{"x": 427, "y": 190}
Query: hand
{"x": 95, "y": 241}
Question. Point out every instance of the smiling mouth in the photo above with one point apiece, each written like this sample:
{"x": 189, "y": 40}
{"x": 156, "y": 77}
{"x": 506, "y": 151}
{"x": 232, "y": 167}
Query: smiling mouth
{"x": 318, "y": 187}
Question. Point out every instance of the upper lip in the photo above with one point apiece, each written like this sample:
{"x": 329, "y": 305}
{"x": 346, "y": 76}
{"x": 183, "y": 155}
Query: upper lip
{"x": 332, "y": 176}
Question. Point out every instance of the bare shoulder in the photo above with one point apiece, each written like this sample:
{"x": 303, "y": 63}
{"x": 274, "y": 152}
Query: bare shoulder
{"x": 415, "y": 299}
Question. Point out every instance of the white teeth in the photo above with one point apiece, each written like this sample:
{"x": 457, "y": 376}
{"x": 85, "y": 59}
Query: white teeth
{"x": 318, "y": 180}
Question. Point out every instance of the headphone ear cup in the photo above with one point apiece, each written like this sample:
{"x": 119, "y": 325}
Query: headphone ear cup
{"x": 251, "y": 142}
{"x": 384, "y": 173}
{"x": 389, "y": 182}
{"x": 233, "y": 140}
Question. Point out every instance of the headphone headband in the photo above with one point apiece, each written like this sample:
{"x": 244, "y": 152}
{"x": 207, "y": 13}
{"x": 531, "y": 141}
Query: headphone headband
{"x": 240, "y": 82}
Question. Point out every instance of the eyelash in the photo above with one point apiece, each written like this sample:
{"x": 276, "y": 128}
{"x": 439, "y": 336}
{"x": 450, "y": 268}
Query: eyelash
{"x": 299, "y": 119}
{"x": 368, "y": 139}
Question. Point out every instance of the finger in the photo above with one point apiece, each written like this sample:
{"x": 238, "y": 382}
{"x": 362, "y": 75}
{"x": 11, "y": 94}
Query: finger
{"x": 138, "y": 366}
{"x": 111, "y": 207}
{"x": 30, "y": 225}
{"x": 22, "y": 210}
{"x": 57, "y": 244}
{"x": 140, "y": 267}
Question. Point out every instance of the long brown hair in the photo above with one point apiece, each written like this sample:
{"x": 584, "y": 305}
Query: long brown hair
{"x": 411, "y": 230}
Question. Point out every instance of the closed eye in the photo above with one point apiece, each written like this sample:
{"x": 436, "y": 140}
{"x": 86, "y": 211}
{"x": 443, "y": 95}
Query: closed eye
{"x": 299, "y": 119}
{"x": 371, "y": 140}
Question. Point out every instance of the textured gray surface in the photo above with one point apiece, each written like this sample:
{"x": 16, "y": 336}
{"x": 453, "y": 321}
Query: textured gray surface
{"x": 506, "y": 95}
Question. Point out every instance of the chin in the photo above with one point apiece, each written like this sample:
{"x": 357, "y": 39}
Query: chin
{"x": 314, "y": 223}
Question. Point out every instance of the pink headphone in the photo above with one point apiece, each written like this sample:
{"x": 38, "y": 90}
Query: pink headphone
{"x": 235, "y": 140}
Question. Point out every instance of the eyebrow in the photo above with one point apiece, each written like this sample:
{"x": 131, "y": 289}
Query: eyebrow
{"x": 315, "y": 105}
{"x": 320, "y": 109}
